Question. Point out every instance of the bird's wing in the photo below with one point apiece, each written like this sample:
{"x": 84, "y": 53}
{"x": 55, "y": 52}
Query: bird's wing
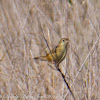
{"x": 54, "y": 50}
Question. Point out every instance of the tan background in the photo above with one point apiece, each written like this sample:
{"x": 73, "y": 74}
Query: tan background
{"x": 21, "y": 39}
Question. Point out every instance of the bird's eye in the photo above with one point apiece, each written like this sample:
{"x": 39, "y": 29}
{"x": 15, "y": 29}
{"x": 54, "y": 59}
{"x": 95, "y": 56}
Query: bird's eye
{"x": 63, "y": 40}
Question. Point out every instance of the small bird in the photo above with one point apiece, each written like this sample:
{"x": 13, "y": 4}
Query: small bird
{"x": 57, "y": 54}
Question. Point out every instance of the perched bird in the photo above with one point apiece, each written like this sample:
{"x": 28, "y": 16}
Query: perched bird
{"x": 57, "y": 54}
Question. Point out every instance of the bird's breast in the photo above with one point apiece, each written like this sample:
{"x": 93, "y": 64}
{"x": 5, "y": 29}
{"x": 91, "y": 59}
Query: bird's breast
{"x": 61, "y": 53}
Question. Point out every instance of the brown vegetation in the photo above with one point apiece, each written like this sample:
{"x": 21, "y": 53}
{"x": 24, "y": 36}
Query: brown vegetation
{"x": 21, "y": 39}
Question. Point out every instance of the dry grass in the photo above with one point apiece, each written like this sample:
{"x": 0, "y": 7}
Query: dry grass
{"x": 21, "y": 78}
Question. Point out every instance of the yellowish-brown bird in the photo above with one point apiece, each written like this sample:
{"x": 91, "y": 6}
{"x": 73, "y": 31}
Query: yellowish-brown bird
{"x": 57, "y": 54}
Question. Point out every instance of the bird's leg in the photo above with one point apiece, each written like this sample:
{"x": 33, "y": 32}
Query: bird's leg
{"x": 57, "y": 65}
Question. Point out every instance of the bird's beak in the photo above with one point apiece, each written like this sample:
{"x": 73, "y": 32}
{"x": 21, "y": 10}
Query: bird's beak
{"x": 68, "y": 40}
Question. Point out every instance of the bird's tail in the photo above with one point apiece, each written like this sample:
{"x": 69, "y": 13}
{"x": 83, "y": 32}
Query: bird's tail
{"x": 43, "y": 58}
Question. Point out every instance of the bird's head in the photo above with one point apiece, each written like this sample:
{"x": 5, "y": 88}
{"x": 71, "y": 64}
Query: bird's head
{"x": 64, "y": 42}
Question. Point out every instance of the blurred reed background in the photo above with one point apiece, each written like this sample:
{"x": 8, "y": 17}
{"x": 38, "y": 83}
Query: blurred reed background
{"x": 22, "y": 23}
